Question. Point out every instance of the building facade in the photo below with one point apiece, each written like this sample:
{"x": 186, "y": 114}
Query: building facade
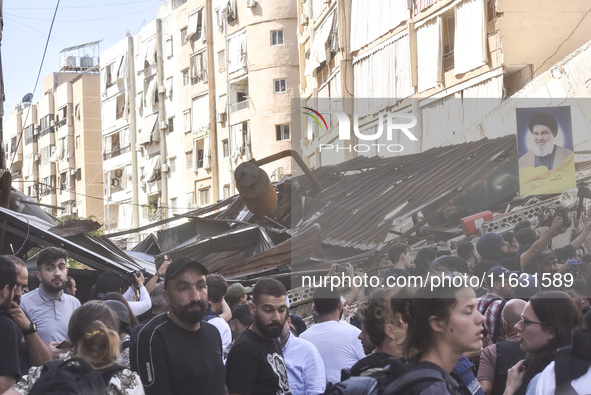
{"x": 429, "y": 58}
{"x": 210, "y": 86}
{"x": 54, "y": 145}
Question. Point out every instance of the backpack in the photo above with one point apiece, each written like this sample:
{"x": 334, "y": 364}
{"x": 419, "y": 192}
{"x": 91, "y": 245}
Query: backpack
{"x": 495, "y": 336}
{"x": 398, "y": 379}
{"x": 73, "y": 376}
{"x": 572, "y": 361}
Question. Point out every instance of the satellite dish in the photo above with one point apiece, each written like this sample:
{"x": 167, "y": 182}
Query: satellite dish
{"x": 28, "y": 98}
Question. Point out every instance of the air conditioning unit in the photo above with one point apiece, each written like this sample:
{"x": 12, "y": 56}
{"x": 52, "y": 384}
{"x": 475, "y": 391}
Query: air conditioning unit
{"x": 72, "y": 172}
{"x": 221, "y": 117}
{"x": 303, "y": 20}
{"x": 242, "y": 150}
{"x": 162, "y": 89}
{"x": 144, "y": 184}
{"x": 36, "y": 158}
{"x": 74, "y": 210}
{"x": 35, "y": 131}
{"x": 164, "y": 124}
{"x": 165, "y": 168}
{"x": 115, "y": 182}
{"x": 118, "y": 173}
{"x": 251, "y": 3}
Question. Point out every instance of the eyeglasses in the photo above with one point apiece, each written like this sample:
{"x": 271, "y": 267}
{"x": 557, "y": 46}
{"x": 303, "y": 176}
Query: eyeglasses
{"x": 525, "y": 322}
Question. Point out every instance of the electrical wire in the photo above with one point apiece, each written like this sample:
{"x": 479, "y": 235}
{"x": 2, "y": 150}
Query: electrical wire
{"x": 36, "y": 82}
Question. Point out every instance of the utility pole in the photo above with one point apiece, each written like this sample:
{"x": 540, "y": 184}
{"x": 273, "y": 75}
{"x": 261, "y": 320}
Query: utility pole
{"x": 132, "y": 131}
{"x": 213, "y": 135}
{"x": 228, "y": 105}
{"x": 161, "y": 117}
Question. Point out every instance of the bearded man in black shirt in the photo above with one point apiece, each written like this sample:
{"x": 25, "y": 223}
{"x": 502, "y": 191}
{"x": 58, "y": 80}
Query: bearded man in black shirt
{"x": 177, "y": 352}
{"x": 255, "y": 363}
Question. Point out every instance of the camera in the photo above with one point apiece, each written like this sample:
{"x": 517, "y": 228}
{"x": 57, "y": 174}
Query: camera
{"x": 547, "y": 216}
{"x": 136, "y": 273}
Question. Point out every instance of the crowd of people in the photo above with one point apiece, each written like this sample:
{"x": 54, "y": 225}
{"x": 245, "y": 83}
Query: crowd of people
{"x": 186, "y": 331}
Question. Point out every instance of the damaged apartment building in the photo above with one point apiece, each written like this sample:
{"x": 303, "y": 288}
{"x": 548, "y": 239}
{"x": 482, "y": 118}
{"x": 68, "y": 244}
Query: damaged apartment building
{"x": 202, "y": 88}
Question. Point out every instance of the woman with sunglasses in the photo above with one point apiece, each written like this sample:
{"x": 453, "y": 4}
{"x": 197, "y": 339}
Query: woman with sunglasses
{"x": 442, "y": 325}
{"x": 546, "y": 325}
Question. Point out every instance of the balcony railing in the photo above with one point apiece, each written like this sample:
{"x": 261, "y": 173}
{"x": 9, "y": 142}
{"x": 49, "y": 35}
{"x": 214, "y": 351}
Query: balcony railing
{"x": 61, "y": 122}
{"x": 117, "y": 152}
{"x": 241, "y": 105}
{"x": 47, "y": 130}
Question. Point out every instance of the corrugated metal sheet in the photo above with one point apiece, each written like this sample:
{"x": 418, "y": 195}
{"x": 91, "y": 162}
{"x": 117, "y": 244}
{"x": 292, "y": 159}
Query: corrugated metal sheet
{"x": 374, "y": 193}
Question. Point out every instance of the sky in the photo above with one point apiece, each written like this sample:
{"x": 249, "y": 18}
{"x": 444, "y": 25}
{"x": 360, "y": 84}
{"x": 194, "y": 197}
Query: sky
{"x": 26, "y": 28}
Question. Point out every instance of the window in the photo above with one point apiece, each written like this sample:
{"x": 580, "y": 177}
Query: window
{"x": 195, "y": 26}
{"x": 189, "y": 160}
{"x": 121, "y": 110}
{"x": 173, "y": 205}
{"x": 226, "y": 191}
{"x": 185, "y": 77}
{"x": 78, "y": 143}
{"x": 222, "y": 60}
{"x": 225, "y": 148}
{"x": 29, "y": 134}
{"x": 183, "y": 36}
{"x": 204, "y": 197}
{"x": 170, "y": 124}
{"x": 172, "y": 165}
{"x": 187, "y": 120}
{"x": 46, "y": 122}
{"x": 282, "y": 132}
{"x": 199, "y": 67}
{"x": 79, "y": 174}
{"x": 276, "y": 37}
{"x": 200, "y": 157}
{"x": 280, "y": 85}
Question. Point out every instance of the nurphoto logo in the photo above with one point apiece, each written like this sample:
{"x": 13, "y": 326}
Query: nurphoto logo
{"x": 392, "y": 122}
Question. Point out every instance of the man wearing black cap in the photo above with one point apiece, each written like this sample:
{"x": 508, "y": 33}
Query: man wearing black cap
{"x": 177, "y": 352}
{"x": 255, "y": 363}
{"x": 545, "y": 151}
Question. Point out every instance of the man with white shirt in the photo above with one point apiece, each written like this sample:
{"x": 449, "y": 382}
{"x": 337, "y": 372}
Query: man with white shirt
{"x": 337, "y": 342}
{"x": 218, "y": 308}
{"x": 305, "y": 368}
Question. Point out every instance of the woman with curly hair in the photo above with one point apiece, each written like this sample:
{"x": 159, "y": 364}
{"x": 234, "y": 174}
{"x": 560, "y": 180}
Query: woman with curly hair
{"x": 546, "y": 324}
{"x": 93, "y": 331}
{"x": 385, "y": 330}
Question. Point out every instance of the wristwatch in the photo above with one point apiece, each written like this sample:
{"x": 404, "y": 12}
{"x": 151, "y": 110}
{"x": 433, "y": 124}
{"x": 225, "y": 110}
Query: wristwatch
{"x": 32, "y": 329}
{"x": 161, "y": 277}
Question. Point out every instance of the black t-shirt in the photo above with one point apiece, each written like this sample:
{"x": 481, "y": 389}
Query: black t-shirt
{"x": 9, "y": 345}
{"x": 172, "y": 360}
{"x": 255, "y": 365}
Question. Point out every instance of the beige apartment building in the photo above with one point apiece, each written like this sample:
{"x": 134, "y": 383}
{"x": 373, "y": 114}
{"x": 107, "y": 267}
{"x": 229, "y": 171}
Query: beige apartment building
{"x": 209, "y": 86}
{"x": 425, "y": 57}
{"x": 54, "y": 145}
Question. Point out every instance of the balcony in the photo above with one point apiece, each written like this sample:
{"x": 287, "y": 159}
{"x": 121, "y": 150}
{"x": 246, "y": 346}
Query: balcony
{"x": 241, "y": 105}
{"x": 61, "y": 122}
{"x": 117, "y": 152}
{"x": 47, "y": 130}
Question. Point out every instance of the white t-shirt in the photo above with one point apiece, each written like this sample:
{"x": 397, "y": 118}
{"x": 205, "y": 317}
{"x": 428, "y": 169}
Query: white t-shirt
{"x": 305, "y": 368}
{"x": 338, "y": 345}
{"x": 547, "y": 382}
{"x": 224, "y": 329}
